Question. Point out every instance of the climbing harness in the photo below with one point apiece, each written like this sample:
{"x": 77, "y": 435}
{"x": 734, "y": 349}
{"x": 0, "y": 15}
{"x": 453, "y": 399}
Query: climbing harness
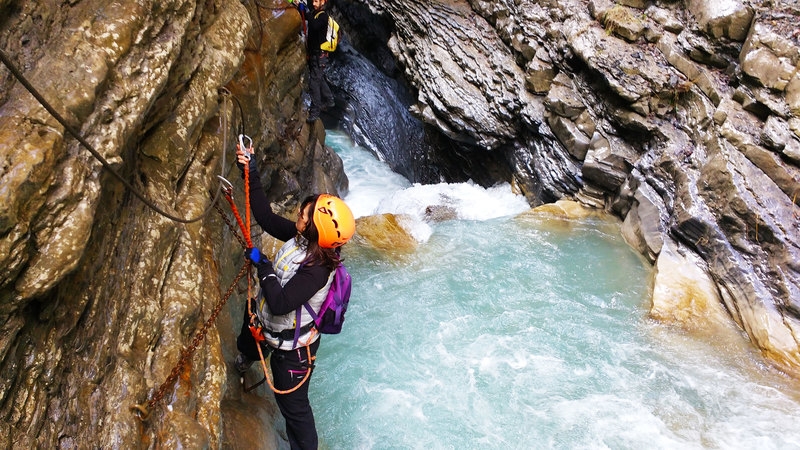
{"x": 310, "y": 363}
{"x": 259, "y": 337}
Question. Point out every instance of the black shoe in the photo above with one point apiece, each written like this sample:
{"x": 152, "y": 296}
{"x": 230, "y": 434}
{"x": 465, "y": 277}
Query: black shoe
{"x": 331, "y": 103}
{"x": 242, "y": 363}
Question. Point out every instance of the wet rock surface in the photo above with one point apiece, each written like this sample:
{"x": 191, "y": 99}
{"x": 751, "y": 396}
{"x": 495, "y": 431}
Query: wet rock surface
{"x": 682, "y": 121}
{"x": 99, "y": 294}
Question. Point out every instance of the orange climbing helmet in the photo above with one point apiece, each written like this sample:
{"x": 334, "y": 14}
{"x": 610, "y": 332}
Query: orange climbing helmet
{"x": 334, "y": 221}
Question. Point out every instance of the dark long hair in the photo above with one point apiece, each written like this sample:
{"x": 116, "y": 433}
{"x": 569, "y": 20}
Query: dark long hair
{"x": 316, "y": 255}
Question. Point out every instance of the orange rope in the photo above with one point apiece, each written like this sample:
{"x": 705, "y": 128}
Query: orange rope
{"x": 305, "y": 378}
{"x": 247, "y": 200}
{"x": 246, "y": 230}
{"x": 239, "y": 220}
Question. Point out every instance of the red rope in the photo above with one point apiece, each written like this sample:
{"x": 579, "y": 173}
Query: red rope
{"x": 246, "y": 231}
{"x": 239, "y": 218}
{"x": 247, "y": 201}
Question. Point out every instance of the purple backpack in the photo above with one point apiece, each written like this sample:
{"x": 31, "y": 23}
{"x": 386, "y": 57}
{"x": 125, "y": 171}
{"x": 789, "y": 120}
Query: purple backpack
{"x": 331, "y": 313}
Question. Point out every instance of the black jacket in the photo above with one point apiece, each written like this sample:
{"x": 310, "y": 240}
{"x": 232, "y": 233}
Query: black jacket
{"x": 306, "y": 282}
{"x": 317, "y": 29}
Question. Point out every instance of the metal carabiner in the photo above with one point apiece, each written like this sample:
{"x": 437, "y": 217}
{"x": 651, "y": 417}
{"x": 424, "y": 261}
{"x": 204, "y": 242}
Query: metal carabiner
{"x": 226, "y": 185}
{"x": 245, "y": 149}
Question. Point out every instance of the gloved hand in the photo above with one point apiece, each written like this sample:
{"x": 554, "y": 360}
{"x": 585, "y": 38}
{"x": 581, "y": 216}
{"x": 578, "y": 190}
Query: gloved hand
{"x": 255, "y": 255}
{"x": 244, "y": 155}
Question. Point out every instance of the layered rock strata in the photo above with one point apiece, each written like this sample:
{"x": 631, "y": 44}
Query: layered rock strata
{"x": 683, "y": 122}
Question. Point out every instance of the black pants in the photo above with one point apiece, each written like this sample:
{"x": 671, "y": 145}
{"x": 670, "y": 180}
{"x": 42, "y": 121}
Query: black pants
{"x": 321, "y": 93}
{"x": 289, "y": 368}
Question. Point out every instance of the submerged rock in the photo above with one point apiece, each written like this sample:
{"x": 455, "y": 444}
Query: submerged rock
{"x": 385, "y": 232}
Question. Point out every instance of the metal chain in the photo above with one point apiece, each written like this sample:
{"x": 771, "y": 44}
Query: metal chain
{"x": 230, "y": 225}
{"x": 186, "y": 354}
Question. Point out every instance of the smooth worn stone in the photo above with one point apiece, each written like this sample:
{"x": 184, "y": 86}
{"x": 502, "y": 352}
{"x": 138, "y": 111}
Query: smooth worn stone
{"x": 723, "y": 18}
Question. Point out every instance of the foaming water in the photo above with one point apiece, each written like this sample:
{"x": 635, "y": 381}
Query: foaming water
{"x": 370, "y": 180}
{"x": 375, "y": 189}
{"x": 507, "y": 330}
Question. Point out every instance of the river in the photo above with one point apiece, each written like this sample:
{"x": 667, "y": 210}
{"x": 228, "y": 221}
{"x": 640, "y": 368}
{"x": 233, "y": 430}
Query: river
{"x": 512, "y": 330}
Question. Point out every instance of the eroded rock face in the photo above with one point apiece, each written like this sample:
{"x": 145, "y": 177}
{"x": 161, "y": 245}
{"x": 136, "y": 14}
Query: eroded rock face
{"x": 99, "y": 293}
{"x": 684, "y": 122}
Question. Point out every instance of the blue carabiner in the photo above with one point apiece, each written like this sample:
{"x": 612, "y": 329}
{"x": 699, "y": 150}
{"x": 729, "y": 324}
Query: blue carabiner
{"x": 246, "y": 149}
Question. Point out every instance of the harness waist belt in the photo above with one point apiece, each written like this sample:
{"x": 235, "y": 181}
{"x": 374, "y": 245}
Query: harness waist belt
{"x": 288, "y": 334}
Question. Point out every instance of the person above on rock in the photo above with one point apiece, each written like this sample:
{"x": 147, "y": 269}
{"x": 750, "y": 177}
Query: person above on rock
{"x": 321, "y": 95}
{"x": 302, "y": 273}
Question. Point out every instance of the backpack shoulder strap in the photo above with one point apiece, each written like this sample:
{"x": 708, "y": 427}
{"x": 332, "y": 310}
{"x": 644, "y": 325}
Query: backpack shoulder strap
{"x": 310, "y": 311}
{"x": 297, "y": 316}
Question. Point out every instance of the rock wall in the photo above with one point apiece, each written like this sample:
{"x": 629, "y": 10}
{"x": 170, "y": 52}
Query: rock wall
{"x": 684, "y": 120}
{"x": 99, "y": 293}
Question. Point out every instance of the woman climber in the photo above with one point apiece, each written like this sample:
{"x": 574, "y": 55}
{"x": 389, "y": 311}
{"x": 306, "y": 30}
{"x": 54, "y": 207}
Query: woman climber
{"x": 303, "y": 272}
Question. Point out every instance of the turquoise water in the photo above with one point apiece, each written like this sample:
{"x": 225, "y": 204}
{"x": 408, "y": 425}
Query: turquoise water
{"x": 505, "y": 330}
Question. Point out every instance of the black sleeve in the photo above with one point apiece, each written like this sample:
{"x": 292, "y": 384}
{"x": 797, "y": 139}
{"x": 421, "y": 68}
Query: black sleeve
{"x": 317, "y": 27}
{"x": 278, "y": 227}
{"x": 298, "y": 290}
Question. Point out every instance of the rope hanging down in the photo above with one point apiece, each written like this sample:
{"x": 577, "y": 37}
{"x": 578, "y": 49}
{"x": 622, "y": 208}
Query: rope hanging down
{"x": 71, "y": 130}
{"x": 255, "y": 326}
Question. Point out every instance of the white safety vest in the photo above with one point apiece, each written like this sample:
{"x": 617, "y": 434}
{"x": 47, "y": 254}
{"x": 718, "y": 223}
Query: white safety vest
{"x": 287, "y": 263}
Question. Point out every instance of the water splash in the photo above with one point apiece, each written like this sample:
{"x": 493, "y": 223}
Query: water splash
{"x": 512, "y": 331}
